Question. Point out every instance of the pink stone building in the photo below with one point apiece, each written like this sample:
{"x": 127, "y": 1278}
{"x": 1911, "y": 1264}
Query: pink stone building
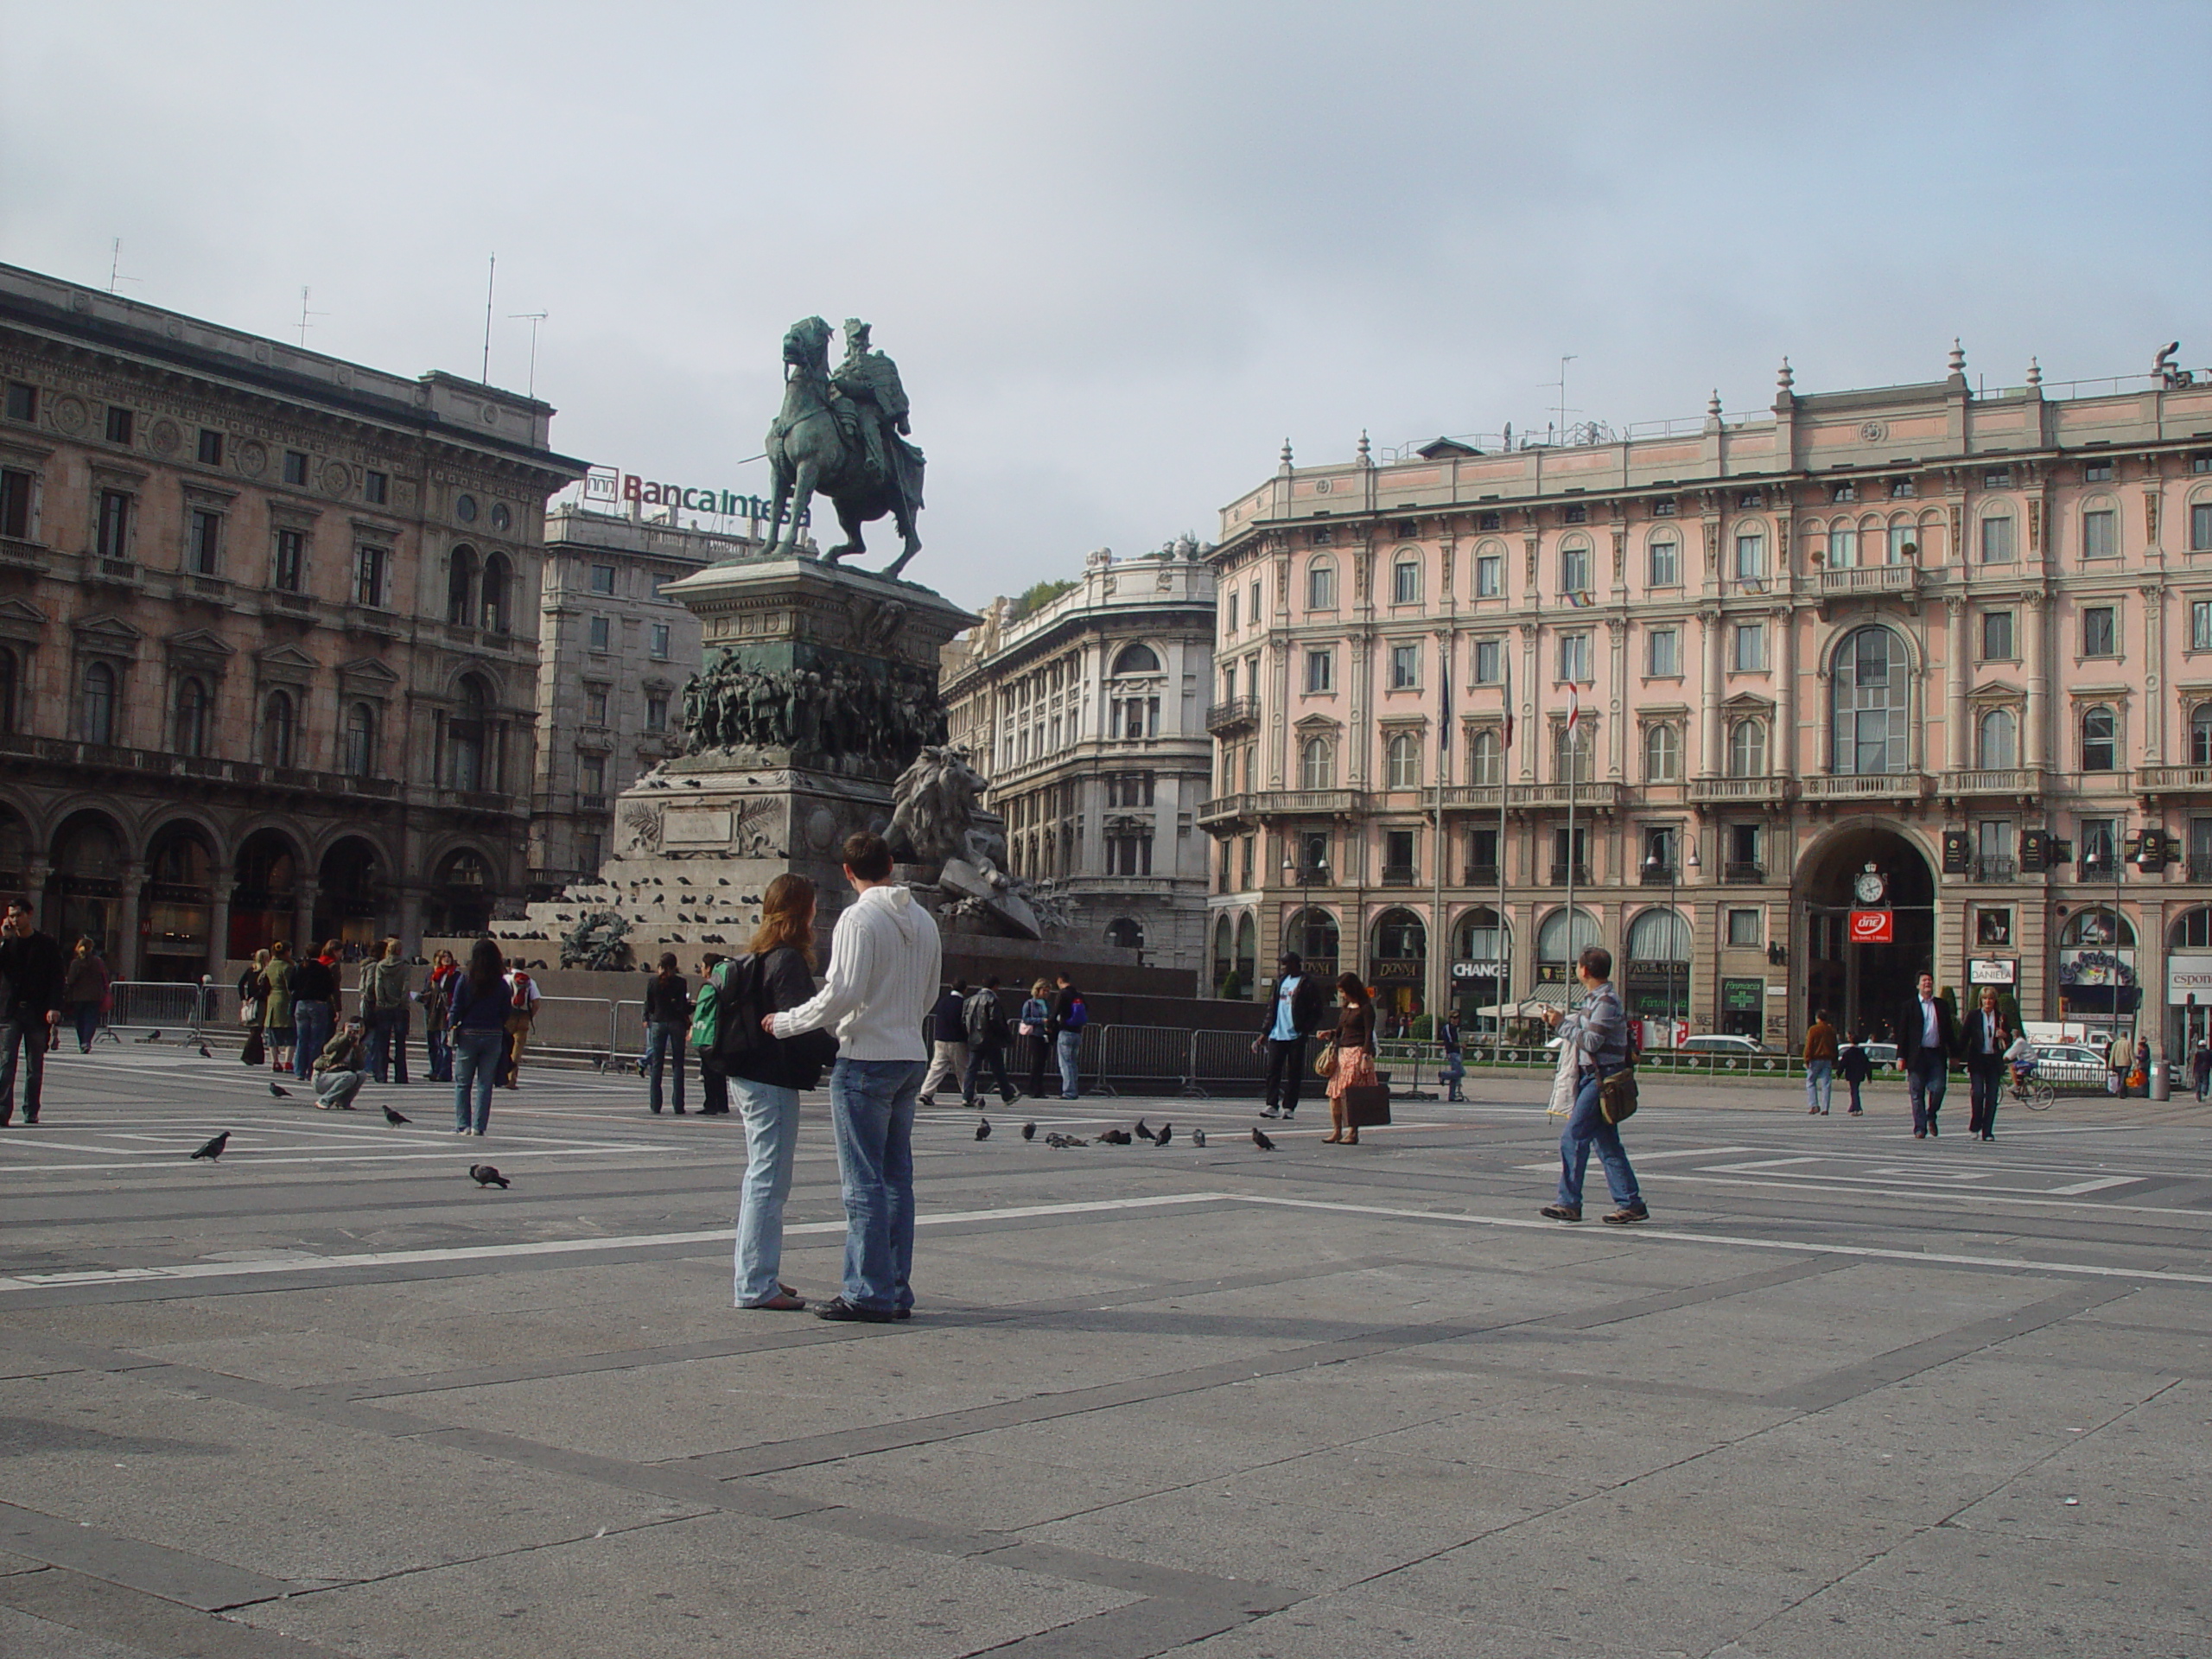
{"x": 1927, "y": 665}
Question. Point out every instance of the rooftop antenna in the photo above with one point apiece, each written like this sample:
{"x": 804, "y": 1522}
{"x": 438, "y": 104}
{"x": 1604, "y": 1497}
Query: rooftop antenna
{"x": 115, "y": 266}
{"x": 304, "y": 315}
{"x": 533, "y": 318}
{"x": 491, "y": 277}
{"x": 1561, "y": 383}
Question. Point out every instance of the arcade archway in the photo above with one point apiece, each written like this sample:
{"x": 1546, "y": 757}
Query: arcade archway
{"x": 1863, "y": 984}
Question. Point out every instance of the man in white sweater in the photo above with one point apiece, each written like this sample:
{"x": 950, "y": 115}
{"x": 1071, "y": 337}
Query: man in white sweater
{"x": 885, "y": 962}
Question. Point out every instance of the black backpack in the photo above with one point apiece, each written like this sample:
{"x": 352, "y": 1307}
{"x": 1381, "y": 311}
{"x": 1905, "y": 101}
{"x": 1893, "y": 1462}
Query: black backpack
{"x": 737, "y": 1010}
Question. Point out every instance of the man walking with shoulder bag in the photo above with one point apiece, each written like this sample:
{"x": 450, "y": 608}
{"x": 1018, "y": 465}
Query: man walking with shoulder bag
{"x": 1597, "y": 1035}
{"x": 987, "y": 1035}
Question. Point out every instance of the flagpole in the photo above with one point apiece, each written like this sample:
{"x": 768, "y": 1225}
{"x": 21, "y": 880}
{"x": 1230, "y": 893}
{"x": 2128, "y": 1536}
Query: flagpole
{"x": 1573, "y": 708}
{"x": 1504, "y": 770}
{"x": 1440, "y": 939}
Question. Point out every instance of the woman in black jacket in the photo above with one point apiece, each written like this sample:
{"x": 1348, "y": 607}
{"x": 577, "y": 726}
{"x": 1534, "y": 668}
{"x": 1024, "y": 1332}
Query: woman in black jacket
{"x": 765, "y": 1075}
{"x": 668, "y": 1028}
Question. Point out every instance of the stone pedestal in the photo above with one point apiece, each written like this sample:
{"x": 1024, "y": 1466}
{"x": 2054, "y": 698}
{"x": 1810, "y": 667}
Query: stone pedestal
{"x": 825, "y": 651}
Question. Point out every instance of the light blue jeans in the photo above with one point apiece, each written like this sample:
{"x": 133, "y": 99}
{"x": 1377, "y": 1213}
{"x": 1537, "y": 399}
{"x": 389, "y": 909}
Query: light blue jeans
{"x": 475, "y": 1068}
{"x": 311, "y": 1028}
{"x": 1070, "y": 1047}
{"x": 1587, "y": 1127}
{"x": 771, "y": 1115}
{"x": 1819, "y": 1084}
{"x": 872, "y": 1107}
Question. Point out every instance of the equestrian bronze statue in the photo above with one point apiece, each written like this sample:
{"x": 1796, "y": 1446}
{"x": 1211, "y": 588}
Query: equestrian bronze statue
{"x": 843, "y": 435}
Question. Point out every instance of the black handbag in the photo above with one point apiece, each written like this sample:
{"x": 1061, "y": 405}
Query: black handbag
{"x": 1366, "y": 1105}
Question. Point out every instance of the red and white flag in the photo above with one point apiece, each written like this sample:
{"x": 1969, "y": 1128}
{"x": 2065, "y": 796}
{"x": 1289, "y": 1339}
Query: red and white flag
{"x": 1508, "y": 742}
{"x": 1574, "y": 709}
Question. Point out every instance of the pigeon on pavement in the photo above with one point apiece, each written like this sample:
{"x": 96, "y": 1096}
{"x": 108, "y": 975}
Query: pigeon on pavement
{"x": 1143, "y": 1130}
{"x": 206, "y": 1052}
{"x": 396, "y": 1118}
{"x": 983, "y": 1128}
{"x": 1166, "y": 1133}
{"x": 1029, "y": 1131}
{"x": 1114, "y": 1137}
{"x": 281, "y": 1094}
{"x": 1260, "y": 1140}
{"x": 1199, "y": 1138}
{"x": 486, "y": 1175}
{"x": 213, "y": 1149}
{"x": 151, "y": 1037}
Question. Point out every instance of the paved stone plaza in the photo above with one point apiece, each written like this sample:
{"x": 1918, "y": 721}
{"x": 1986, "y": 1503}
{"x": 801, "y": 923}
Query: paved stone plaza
{"x": 1849, "y": 1394}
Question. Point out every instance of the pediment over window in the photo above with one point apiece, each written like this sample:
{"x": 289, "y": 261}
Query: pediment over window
{"x": 286, "y": 659}
{"x": 199, "y": 645}
{"x": 1744, "y": 703}
{"x": 1995, "y": 691}
{"x": 1317, "y": 725}
{"x": 110, "y": 635}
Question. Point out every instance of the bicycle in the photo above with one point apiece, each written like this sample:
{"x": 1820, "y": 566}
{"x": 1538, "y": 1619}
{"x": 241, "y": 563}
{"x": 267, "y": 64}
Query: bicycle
{"x": 2032, "y": 1092}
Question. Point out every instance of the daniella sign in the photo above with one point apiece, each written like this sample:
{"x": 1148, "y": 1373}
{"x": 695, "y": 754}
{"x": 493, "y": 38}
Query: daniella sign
{"x": 606, "y": 484}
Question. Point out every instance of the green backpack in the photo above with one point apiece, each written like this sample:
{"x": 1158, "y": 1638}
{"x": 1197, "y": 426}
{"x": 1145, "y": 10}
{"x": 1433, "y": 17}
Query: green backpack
{"x": 706, "y": 1021}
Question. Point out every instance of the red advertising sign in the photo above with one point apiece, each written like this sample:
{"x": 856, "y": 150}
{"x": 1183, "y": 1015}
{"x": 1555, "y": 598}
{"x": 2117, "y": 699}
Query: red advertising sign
{"x": 1871, "y": 927}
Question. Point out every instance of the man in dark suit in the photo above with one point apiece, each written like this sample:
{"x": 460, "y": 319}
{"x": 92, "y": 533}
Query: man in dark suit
{"x": 1985, "y": 1037}
{"x": 1927, "y": 1038}
{"x": 1299, "y": 1007}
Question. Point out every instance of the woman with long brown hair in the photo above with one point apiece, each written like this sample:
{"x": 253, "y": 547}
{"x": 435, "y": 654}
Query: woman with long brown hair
{"x": 765, "y": 1075}
{"x": 1355, "y": 1055}
{"x": 476, "y": 1024}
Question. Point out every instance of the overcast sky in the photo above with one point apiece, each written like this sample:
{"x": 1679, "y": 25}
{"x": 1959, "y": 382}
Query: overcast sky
{"x": 1121, "y": 251}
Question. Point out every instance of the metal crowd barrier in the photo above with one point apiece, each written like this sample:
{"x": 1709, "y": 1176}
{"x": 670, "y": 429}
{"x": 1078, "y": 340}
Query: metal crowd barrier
{"x": 187, "y": 1011}
{"x": 1223, "y": 1062}
{"x": 625, "y": 1035}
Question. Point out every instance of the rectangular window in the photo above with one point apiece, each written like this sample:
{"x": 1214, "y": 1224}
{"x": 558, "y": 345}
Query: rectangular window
{"x": 2100, "y": 847}
{"x": 1231, "y": 617}
{"x": 291, "y": 549}
{"x": 1581, "y": 854}
{"x": 2096, "y": 472}
{"x": 1496, "y": 520}
{"x": 2101, "y": 534}
{"x": 2100, "y": 630}
{"x": 660, "y": 638}
{"x": 368, "y": 575}
{"x": 211, "y": 447}
{"x": 602, "y": 578}
{"x": 587, "y": 851}
{"x": 1904, "y": 543}
{"x": 1578, "y": 514}
{"x": 656, "y": 713}
{"x": 1743, "y": 848}
{"x": 1482, "y": 857}
{"x": 1320, "y": 670}
{"x": 1254, "y": 607}
{"x": 1405, "y": 667}
{"x": 1490, "y": 573}
{"x": 595, "y": 705}
{"x": 1405, "y": 583}
{"x": 1574, "y": 570}
{"x": 1666, "y": 653}
{"x": 2199, "y": 527}
{"x": 1843, "y": 549}
{"x": 2200, "y": 625}
{"x": 1398, "y": 856}
{"x": 591, "y": 769}
{"x": 1902, "y": 489}
{"x": 118, "y": 424}
{"x": 2001, "y": 479}
{"x": 1665, "y": 507}
{"x": 1489, "y": 661}
{"x": 115, "y": 524}
{"x": 376, "y": 487}
{"x": 1997, "y": 637}
{"x": 1665, "y": 562}
{"x": 1750, "y": 647}
{"x": 15, "y": 504}
{"x": 296, "y": 467}
{"x": 599, "y": 631}
{"x": 23, "y": 400}
{"x": 1574, "y": 658}
{"x": 1751, "y": 557}
{"x": 1997, "y": 539}
{"x": 206, "y": 539}
{"x": 1747, "y": 927}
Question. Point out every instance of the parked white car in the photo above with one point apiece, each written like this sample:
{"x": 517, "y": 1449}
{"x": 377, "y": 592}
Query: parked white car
{"x": 1732, "y": 1047}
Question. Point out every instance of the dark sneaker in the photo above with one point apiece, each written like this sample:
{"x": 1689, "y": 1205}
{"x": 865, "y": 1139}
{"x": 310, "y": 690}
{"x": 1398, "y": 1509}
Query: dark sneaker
{"x": 1627, "y": 1213}
{"x": 1562, "y": 1213}
{"x": 903, "y": 1313}
{"x": 838, "y": 1308}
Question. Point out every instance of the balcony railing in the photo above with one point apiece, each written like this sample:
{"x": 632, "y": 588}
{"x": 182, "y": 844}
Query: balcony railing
{"x": 1280, "y": 803}
{"x": 1995, "y": 868}
{"x": 1987, "y": 781}
{"x": 1872, "y": 579}
{"x": 1663, "y": 876}
{"x": 1742, "y": 873}
{"x": 1400, "y": 875}
{"x": 1233, "y": 715}
{"x": 1585, "y": 794}
{"x": 2174, "y": 780}
{"x": 1867, "y": 786}
{"x": 1224, "y": 809}
{"x": 1581, "y": 873}
{"x": 25, "y": 556}
{"x": 1482, "y": 875}
{"x": 1739, "y": 789}
{"x": 2096, "y": 869}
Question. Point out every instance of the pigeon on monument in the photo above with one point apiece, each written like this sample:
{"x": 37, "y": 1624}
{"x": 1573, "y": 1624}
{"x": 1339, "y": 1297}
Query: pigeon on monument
{"x": 1260, "y": 1140}
{"x": 1029, "y": 1131}
{"x": 281, "y": 1094}
{"x": 486, "y": 1175}
{"x": 396, "y": 1118}
{"x": 983, "y": 1128}
{"x": 213, "y": 1149}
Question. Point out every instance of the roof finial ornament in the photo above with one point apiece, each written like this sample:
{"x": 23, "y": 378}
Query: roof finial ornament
{"x": 1712, "y": 404}
{"x": 2034, "y": 375}
{"x": 1786, "y": 378}
{"x": 1958, "y": 356}
{"x": 1285, "y": 454}
{"x": 1364, "y": 460}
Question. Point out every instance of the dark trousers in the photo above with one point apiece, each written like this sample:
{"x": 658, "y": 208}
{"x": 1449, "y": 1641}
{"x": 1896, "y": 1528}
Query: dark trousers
{"x": 1285, "y": 1069}
{"x": 1986, "y": 1081}
{"x": 1853, "y": 1084}
{"x": 1040, "y": 1055}
{"x": 1926, "y": 1079}
{"x": 29, "y": 1033}
{"x": 994, "y": 1057}
{"x": 713, "y": 1085}
{"x": 386, "y": 1031}
{"x": 439, "y": 1046}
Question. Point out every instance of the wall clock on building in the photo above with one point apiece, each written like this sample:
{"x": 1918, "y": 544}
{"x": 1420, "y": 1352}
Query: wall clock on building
{"x": 1869, "y": 884}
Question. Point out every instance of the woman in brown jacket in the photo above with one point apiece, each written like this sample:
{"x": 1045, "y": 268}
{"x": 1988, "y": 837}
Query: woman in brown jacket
{"x": 1355, "y": 1055}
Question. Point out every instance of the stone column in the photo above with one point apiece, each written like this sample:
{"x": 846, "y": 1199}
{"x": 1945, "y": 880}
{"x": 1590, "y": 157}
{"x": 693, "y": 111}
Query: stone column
{"x": 37, "y": 874}
{"x": 1709, "y": 753}
{"x": 1958, "y": 742}
{"x": 2154, "y": 675}
{"x": 131, "y": 959}
{"x": 2036, "y": 614}
{"x": 1528, "y": 719}
{"x": 1784, "y": 759}
{"x": 410, "y": 927}
{"x": 1615, "y": 739}
{"x": 304, "y": 922}
{"x": 218, "y": 932}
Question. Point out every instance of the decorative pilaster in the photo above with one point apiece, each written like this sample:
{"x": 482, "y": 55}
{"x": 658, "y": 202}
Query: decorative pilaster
{"x": 1784, "y": 758}
{"x": 1708, "y": 758}
{"x": 2036, "y": 614}
{"x": 129, "y": 958}
{"x": 2154, "y": 673}
{"x": 1956, "y": 743}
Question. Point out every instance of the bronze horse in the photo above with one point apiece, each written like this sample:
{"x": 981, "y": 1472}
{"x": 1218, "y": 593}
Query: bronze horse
{"x": 810, "y": 454}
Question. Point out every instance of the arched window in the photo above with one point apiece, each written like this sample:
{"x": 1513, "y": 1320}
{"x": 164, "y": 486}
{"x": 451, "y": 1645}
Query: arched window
{"x": 461, "y": 587}
{"x": 1224, "y": 957}
{"x": 1479, "y": 938}
{"x": 1662, "y": 755}
{"x": 1485, "y": 758}
{"x": 1997, "y": 741}
{"x": 1843, "y": 545}
{"x": 1400, "y": 936}
{"x": 1312, "y": 933}
{"x": 360, "y": 741}
{"x": 1747, "y": 749}
{"x": 2099, "y": 739}
{"x": 1659, "y": 936}
{"x": 466, "y": 735}
{"x": 2193, "y": 932}
{"x": 2092, "y": 927}
{"x": 1247, "y": 950}
{"x": 1316, "y": 763}
{"x": 1870, "y": 703}
{"x": 277, "y": 729}
{"x": 1321, "y": 584}
{"x": 1123, "y": 931}
{"x": 1903, "y": 541}
{"x": 1571, "y": 752}
{"x": 1574, "y": 568}
{"x": 1137, "y": 659}
{"x": 96, "y": 703}
{"x": 2200, "y": 736}
{"x": 1405, "y": 580}
{"x": 1553, "y": 943}
{"x": 191, "y": 715}
{"x": 1404, "y": 761}
{"x": 499, "y": 582}
{"x": 1665, "y": 566}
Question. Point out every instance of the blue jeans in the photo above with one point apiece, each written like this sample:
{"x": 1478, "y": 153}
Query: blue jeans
{"x": 436, "y": 1045}
{"x": 476, "y": 1067}
{"x": 86, "y": 1016}
{"x": 387, "y": 1035}
{"x": 1587, "y": 1127}
{"x": 1926, "y": 1080}
{"x": 1819, "y": 1084}
{"x": 872, "y": 1108}
{"x": 1070, "y": 1046}
{"x": 664, "y": 1042}
{"x": 310, "y": 1033}
{"x": 771, "y": 1115}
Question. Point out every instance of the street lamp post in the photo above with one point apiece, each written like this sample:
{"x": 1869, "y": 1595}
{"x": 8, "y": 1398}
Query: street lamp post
{"x": 1296, "y": 873}
{"x": 1674, "y": 867}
